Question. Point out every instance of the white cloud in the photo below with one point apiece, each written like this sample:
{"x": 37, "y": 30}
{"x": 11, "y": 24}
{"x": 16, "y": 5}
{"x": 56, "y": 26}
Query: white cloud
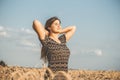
{"x": 3, "y": 33}
{"x": 1, "y": 28}
{"x": 28, "y": 43}
{"x": 27, "y": 31}
{"x": 97, "y": 52}
{"x": 22, "y": 39}
{"x": 15, "y": 32}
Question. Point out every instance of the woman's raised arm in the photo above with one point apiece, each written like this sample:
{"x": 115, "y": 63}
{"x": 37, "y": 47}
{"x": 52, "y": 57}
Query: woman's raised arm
{"x": 69, "y": 31}
{"x": 39, "y": 29}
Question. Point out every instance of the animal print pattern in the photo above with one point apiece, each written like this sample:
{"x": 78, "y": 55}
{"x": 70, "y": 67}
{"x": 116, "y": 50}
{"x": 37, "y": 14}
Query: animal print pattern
{"x": 57, "y": 53}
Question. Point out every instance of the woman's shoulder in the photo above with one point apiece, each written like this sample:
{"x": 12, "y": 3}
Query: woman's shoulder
{"x": 62, "y": 38}
{"x": 45, "y": 40}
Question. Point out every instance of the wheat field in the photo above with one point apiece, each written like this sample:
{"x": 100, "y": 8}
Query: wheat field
{"x": 26, "y": 73}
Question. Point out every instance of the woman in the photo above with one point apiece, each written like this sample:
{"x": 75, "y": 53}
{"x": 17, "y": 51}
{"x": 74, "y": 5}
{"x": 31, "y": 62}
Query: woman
{"x": 54, "y": 49}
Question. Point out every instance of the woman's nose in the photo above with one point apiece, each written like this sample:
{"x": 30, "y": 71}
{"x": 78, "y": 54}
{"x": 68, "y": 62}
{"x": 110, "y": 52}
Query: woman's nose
{"x": 59, "y": 26}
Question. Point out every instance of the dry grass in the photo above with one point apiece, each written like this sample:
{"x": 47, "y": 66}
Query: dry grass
{"x": 24, "y": 73}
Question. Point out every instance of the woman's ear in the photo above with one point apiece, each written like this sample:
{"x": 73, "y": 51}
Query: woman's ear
{"x": 49, "y": 28}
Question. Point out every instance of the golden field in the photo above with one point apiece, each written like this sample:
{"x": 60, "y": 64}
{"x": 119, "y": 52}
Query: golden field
{"x": 26, "y": 73}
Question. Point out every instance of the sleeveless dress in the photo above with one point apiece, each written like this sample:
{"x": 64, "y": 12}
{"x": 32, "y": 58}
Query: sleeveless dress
{"x": 57, "y": 53}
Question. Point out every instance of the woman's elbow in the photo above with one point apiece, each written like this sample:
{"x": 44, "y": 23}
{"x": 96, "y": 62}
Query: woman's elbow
{"x": 35, "y": 21}
{"x": 74, "y": 28}
{"x": 35, "y": 24}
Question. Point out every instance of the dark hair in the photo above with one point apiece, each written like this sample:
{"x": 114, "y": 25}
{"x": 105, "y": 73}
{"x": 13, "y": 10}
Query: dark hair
{"x": 50, "y": 21}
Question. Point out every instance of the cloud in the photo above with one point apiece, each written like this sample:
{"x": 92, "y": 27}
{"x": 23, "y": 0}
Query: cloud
{"x": 3, "y": 32}
{"x": 27, "y": 31}
{"x": 1, "y": 28}
{"x": 14, "y": 32}
{"x": 32, "y": 46}
{"x": 20, "y": 36}
{"x": 97, "y": 52}
{"x": 28, "y": 43}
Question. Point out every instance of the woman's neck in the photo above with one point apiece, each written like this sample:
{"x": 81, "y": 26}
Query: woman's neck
{"x": 54, "y": 37}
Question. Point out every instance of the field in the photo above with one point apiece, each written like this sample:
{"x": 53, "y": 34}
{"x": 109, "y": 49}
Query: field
{"x": 26, "y": 73}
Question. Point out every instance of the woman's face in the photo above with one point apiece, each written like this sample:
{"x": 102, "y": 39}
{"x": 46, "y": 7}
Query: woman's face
{"x": 55, "y": 27}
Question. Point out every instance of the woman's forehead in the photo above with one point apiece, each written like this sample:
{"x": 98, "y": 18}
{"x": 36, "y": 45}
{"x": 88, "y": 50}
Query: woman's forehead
{"x": 56, "y": 21}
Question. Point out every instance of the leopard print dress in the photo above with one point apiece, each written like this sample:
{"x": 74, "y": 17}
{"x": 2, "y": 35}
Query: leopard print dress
{"x": 57, "y": 53}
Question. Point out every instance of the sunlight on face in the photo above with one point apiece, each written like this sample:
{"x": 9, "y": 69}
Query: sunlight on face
{"x": 55, "y": 27}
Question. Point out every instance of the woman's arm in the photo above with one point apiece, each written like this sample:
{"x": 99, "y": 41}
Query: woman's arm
{"x": 69, "y": 31}
{"x": 39, "y": 29}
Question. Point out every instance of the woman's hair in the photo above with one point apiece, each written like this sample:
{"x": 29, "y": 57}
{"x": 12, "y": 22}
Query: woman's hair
{"x": 50, "y": 21}
{"x": 44, "y": 48}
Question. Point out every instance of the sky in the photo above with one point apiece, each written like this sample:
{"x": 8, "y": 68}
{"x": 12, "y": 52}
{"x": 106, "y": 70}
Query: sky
{"x": 94, "y": 46}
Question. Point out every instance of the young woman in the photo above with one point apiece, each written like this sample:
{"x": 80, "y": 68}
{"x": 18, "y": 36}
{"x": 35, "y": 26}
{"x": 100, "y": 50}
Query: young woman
{"x": 53, "y": 39}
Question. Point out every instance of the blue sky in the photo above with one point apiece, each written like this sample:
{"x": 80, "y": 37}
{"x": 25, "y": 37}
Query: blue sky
{"x": 95, "y": 45}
